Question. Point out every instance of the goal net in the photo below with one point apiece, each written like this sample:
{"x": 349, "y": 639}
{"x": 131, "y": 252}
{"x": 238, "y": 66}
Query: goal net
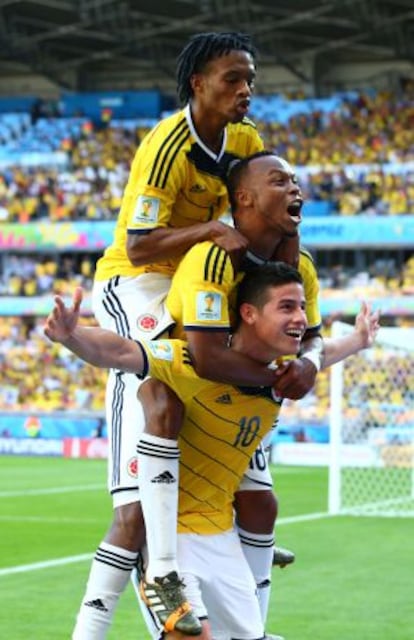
{"x": 372, "y": 427}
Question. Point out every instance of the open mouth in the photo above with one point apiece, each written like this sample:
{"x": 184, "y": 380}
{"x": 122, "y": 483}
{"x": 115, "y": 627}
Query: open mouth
{"x": 294, "y": 210}
{"x": 243, "y": 106}
{"x": 295, "y": 333}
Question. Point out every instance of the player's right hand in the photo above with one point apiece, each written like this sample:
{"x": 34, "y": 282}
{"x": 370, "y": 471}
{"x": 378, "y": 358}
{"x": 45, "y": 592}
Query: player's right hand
{"x": 62, "y": 320}
{"x": 367, "y": 325}
{"x": 227, "y": 237}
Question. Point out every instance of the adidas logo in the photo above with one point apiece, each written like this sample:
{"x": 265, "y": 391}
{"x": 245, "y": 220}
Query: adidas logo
{"x": 165, "y": 477}
{"x": 96, "y": 604}
{"x": 197, "y": 188}
{"x": 224, "y": 399}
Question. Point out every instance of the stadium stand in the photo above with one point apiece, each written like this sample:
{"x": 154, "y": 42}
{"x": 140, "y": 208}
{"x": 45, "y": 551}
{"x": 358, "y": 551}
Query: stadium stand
{"x": 354, "y": 154}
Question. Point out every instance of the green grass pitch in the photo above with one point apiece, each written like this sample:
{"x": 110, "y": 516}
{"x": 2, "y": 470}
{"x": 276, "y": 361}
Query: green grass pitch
{"x": 352, "y": 578}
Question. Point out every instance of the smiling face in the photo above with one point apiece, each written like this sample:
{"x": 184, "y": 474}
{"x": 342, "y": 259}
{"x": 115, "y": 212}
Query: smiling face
{"x": 276, "y": 327}
{"x": 271, "y": 188}
{"x": 224, "y": 87}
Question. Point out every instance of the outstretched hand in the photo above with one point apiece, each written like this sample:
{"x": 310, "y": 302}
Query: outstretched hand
{"x": 367, "y": 324}
{"x": 62, "y": 320}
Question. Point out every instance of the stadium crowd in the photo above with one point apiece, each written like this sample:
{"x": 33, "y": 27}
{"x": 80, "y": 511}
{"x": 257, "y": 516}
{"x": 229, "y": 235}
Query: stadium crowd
{"x": 36, "y": 275}
{"x": 30, "y": 275}
{"x": 357, "y": 160}
{"x": 41, "y": 376}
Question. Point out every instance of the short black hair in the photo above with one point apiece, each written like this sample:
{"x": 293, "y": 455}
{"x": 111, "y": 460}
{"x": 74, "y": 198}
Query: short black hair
{"x": 236, "y": 172}
{"x": 203, "y": 47}
{"x": 255, "y": 285}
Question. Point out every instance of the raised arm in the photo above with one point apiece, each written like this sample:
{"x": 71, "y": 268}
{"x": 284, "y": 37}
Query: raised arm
{"x": 362, "y": 337}
{"x": 99, "y": 347}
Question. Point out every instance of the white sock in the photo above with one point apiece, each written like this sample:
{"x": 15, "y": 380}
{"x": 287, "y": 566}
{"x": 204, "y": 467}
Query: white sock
{"x": 158, "y": 460}
{"x": 258, "y": 551}
{"x": 108, "y": 578}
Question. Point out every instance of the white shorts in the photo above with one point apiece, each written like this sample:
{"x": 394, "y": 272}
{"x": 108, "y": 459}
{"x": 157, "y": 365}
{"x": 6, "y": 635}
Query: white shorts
{"x": 132, "y": 307}
{"x": 217, "y": 580}
{"x": 258, "y": 476}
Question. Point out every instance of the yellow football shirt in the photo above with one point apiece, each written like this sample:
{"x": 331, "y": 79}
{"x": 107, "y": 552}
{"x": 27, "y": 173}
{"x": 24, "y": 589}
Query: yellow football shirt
{"x": 223, "y": 426}
{"x": 175, "y": 181}
{"x": 202, "y": 291}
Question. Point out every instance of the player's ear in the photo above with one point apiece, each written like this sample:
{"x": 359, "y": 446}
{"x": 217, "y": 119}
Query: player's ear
{"x": 243, "y": 197}
{"x": 247, "y": 313}
{"x": 196, "y": 82}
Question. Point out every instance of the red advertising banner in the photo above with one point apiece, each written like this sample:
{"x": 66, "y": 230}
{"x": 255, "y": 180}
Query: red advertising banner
{"x": 85, "y": 447}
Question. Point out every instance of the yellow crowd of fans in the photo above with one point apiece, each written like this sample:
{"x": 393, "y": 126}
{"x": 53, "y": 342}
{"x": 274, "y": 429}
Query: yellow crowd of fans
{"x": 372, "y": 131}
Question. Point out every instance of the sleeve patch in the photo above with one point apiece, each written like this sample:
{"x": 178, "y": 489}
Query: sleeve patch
{"x": 146, "y": 210}
{"x": 161, "y": 349}
{"x": 208, "y": 305}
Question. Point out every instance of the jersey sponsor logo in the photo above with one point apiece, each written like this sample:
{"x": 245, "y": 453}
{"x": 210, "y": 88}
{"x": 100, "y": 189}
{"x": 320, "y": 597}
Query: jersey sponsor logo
{"x": 132, "y": 467}
{"x": 224, "y": 399}
{"x": 208, "y": 305}
{"x": 147, "y": 322}
{"x": 146, "y": 210}
{"x": 161, "y": 349}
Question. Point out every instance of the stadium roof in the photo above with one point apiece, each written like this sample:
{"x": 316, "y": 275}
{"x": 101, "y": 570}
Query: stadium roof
{"x": 78, "y": 44}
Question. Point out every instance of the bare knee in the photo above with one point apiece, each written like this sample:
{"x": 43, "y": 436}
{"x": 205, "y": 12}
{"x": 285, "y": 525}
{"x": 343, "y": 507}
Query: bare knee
{"x": 163, "y": 410}
{"x": 127, "y": 529}
{"x": 256, "y": 511}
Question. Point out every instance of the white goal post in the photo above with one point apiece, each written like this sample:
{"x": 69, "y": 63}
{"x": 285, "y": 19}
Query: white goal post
{"x": 372, "y": 427}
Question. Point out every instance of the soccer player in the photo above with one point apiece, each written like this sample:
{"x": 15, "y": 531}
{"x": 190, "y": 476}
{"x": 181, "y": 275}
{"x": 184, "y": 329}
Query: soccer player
{"x": 173, "y": 199}
{"x": 266, "y": 207}
{"x": 222, "y": 427}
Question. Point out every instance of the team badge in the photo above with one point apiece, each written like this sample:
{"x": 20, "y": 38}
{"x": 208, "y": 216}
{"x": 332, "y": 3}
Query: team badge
{"x": 208, "y": 305}
{"x": 146, "y": 210}
{"x": 161, "y": 349}
{"x": 147, "y": 322}
{"x": 132, "y": 467}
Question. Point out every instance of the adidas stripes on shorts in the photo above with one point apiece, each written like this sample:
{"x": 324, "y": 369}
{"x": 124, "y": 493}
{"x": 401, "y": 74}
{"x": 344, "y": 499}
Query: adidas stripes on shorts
{"x": 132, "y": 307}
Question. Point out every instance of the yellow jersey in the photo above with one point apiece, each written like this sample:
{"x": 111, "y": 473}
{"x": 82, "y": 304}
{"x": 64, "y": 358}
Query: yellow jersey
{"x": 202, "y": 292}
{"x": 175, "y": 181}
{"x": 223, "y": 426}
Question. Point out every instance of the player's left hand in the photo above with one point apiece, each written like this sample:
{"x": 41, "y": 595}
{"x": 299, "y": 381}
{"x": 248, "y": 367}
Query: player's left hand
{"x": 294, "y": 378}
{"x": 367, "y": 325}
{"x": 62, "y": 320}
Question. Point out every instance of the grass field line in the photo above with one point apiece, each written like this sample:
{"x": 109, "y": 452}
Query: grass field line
{"x": 47, "y": 564}
{"x": 303, "y": 518}
{"x": 35, "y": 566}
{"x": 50, "y": 490}
{"x": 47, "y": 520}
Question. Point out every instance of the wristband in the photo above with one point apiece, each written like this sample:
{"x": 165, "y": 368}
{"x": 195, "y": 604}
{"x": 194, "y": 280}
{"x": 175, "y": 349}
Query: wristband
{"x": 315, "y": 357}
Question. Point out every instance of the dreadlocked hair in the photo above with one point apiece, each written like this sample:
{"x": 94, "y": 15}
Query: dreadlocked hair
{"x": 202, "y": 48}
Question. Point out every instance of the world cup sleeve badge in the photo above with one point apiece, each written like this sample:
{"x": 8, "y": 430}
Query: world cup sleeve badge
{"x": 208, "y": 306}
{"x": 161, "y": 349}
{"x": 146, "y": 210}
